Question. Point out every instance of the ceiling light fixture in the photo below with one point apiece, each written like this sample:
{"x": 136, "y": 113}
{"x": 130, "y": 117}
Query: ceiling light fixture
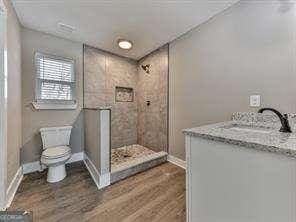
{"x": 125, "y": 44}
{"x": 66, "y": 28}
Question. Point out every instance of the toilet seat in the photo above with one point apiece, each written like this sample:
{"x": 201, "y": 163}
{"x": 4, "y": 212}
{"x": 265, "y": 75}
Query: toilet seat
{"x": 54, "y": 156}
{"x": 56, "y": 152}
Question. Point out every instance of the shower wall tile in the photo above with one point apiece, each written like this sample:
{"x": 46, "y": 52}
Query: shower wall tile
{"x": 94, "y": 70}
{"x": 94, "y": 82}
{"x": 93, "y": 99}
{"x": 102, "y": 73}
{"x": 95, "y": 57}
{"x": 152, "y": 120}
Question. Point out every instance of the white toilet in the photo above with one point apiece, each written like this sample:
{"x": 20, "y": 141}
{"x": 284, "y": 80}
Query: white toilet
{"x": 56, "y": 151}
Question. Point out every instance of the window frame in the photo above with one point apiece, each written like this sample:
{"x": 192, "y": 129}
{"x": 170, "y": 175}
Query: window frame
{"x": 54, "y": 103}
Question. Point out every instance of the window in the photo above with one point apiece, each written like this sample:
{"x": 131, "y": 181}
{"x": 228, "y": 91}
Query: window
{"x": 55, "y": 80}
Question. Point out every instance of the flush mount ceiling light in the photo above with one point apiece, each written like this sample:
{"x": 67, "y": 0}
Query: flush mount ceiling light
{"x": 125, "y": 44}
{"x": 66, "y": 28}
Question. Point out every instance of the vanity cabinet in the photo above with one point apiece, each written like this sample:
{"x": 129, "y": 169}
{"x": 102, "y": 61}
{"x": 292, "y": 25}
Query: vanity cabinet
{"x": 231, "y": 183}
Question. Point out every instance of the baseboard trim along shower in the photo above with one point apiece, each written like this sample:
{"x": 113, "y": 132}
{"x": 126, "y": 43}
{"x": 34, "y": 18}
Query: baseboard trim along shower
{"x": 101, "y": 181}
{"x": 35, "y": 166}
{"x": 177, "y": 161}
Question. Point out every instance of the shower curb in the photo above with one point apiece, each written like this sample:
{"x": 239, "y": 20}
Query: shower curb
{"x": 138, "y": 165}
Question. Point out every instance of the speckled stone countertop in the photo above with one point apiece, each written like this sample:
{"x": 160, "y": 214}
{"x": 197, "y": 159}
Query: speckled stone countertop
{"x": 271, "y": 140}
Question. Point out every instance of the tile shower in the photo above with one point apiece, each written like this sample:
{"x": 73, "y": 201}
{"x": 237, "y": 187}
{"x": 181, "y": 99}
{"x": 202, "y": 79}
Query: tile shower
{"x": 137, "y": 93}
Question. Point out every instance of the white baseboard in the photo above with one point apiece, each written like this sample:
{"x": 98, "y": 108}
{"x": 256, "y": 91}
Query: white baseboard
{"x": 177, "y": 161}
{"x": 76, "y": 157}
{"x": 105, "y": 180}
{"x": 13, "y": 186}
{"x": 36, "y": 166}
{"x": 31, "y": 167}
{"x": 100, "y": 180}
{"x": 92, "y": 170}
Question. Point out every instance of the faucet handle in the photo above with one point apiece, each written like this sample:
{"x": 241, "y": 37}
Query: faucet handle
{"x": 285, "y": 116}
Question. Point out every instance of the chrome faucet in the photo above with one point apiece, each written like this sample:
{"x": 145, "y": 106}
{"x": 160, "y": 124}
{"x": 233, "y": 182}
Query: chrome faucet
{"x": 283, "y": 118}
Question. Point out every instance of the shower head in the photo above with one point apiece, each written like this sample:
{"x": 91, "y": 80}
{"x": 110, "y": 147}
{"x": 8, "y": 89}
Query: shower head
{"x": 146, "y": 68}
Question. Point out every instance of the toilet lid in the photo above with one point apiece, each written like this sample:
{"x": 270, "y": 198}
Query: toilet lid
{"x": 56, "y": 152}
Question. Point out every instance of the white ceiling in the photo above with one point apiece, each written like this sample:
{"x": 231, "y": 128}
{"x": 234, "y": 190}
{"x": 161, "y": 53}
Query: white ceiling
{"x": 149, "y": 24}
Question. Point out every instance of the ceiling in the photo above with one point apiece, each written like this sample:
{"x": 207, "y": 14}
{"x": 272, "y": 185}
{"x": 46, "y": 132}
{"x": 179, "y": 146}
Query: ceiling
{"x": 149, "y": 24}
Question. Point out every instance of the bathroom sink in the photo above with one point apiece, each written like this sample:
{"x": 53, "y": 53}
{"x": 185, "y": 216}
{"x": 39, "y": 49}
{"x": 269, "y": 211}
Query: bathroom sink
{"x": 246, "y": 128}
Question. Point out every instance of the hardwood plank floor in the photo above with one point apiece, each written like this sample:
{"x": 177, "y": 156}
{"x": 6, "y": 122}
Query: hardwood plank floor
{"x": 156, "y": 195}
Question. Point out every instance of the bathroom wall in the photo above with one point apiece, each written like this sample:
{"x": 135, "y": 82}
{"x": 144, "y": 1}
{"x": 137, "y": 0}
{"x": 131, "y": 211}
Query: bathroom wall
{"x": 34, "y": 41}
{"x": 153, "y": 87}
{"x": 104, "y": 71}
{"x": 14, "y": 117}
{"x": 248, "y": 49}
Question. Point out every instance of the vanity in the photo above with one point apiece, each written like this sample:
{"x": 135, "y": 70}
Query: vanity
{"x": 243, "y": 170}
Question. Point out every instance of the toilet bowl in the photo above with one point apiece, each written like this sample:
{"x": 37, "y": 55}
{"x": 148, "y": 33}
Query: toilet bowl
{"x": 56, "y": 151}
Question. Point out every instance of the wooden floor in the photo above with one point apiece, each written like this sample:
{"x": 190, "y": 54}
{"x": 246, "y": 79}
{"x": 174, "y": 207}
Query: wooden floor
{"x": 155, "y": 195}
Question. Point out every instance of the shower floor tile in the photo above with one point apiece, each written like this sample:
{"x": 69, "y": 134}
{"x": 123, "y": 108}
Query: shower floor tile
{"x": 128, "y": 153}
{"x": 129, "y": 160}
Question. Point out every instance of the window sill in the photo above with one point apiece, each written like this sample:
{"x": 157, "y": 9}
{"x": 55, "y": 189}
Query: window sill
{"x": 53, "y": 106}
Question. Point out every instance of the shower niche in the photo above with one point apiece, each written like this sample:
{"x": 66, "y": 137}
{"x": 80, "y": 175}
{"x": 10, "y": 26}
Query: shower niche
{"x": 124, "y": 94}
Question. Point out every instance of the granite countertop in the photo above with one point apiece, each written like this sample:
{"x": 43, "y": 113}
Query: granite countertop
{"x": 270, "y": 140}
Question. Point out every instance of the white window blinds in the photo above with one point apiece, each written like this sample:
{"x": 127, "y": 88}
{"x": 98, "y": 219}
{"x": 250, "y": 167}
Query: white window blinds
{"x": 55, "y": 78}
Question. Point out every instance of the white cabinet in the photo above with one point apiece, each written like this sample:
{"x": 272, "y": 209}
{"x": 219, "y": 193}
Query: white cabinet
{"x": 229, "y": 183}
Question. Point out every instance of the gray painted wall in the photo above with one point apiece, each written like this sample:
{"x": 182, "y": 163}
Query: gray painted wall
{"x": 248, "y": 49}
{"x": 104, "y": 71}
{"x": 14, "y": 114}
{"x": 33, "y": 120}
{"x": 153, "y": 87}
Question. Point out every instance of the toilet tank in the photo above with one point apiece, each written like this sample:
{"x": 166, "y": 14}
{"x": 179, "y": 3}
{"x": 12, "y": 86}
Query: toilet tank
{"x": 55, "y": 136}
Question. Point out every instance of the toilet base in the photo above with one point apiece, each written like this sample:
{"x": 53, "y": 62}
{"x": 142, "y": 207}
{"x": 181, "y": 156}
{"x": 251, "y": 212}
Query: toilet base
{"x": 56, "y": 173}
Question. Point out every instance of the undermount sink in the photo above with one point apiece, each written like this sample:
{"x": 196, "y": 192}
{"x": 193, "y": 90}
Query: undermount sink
{"x": 246, "y": 128}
